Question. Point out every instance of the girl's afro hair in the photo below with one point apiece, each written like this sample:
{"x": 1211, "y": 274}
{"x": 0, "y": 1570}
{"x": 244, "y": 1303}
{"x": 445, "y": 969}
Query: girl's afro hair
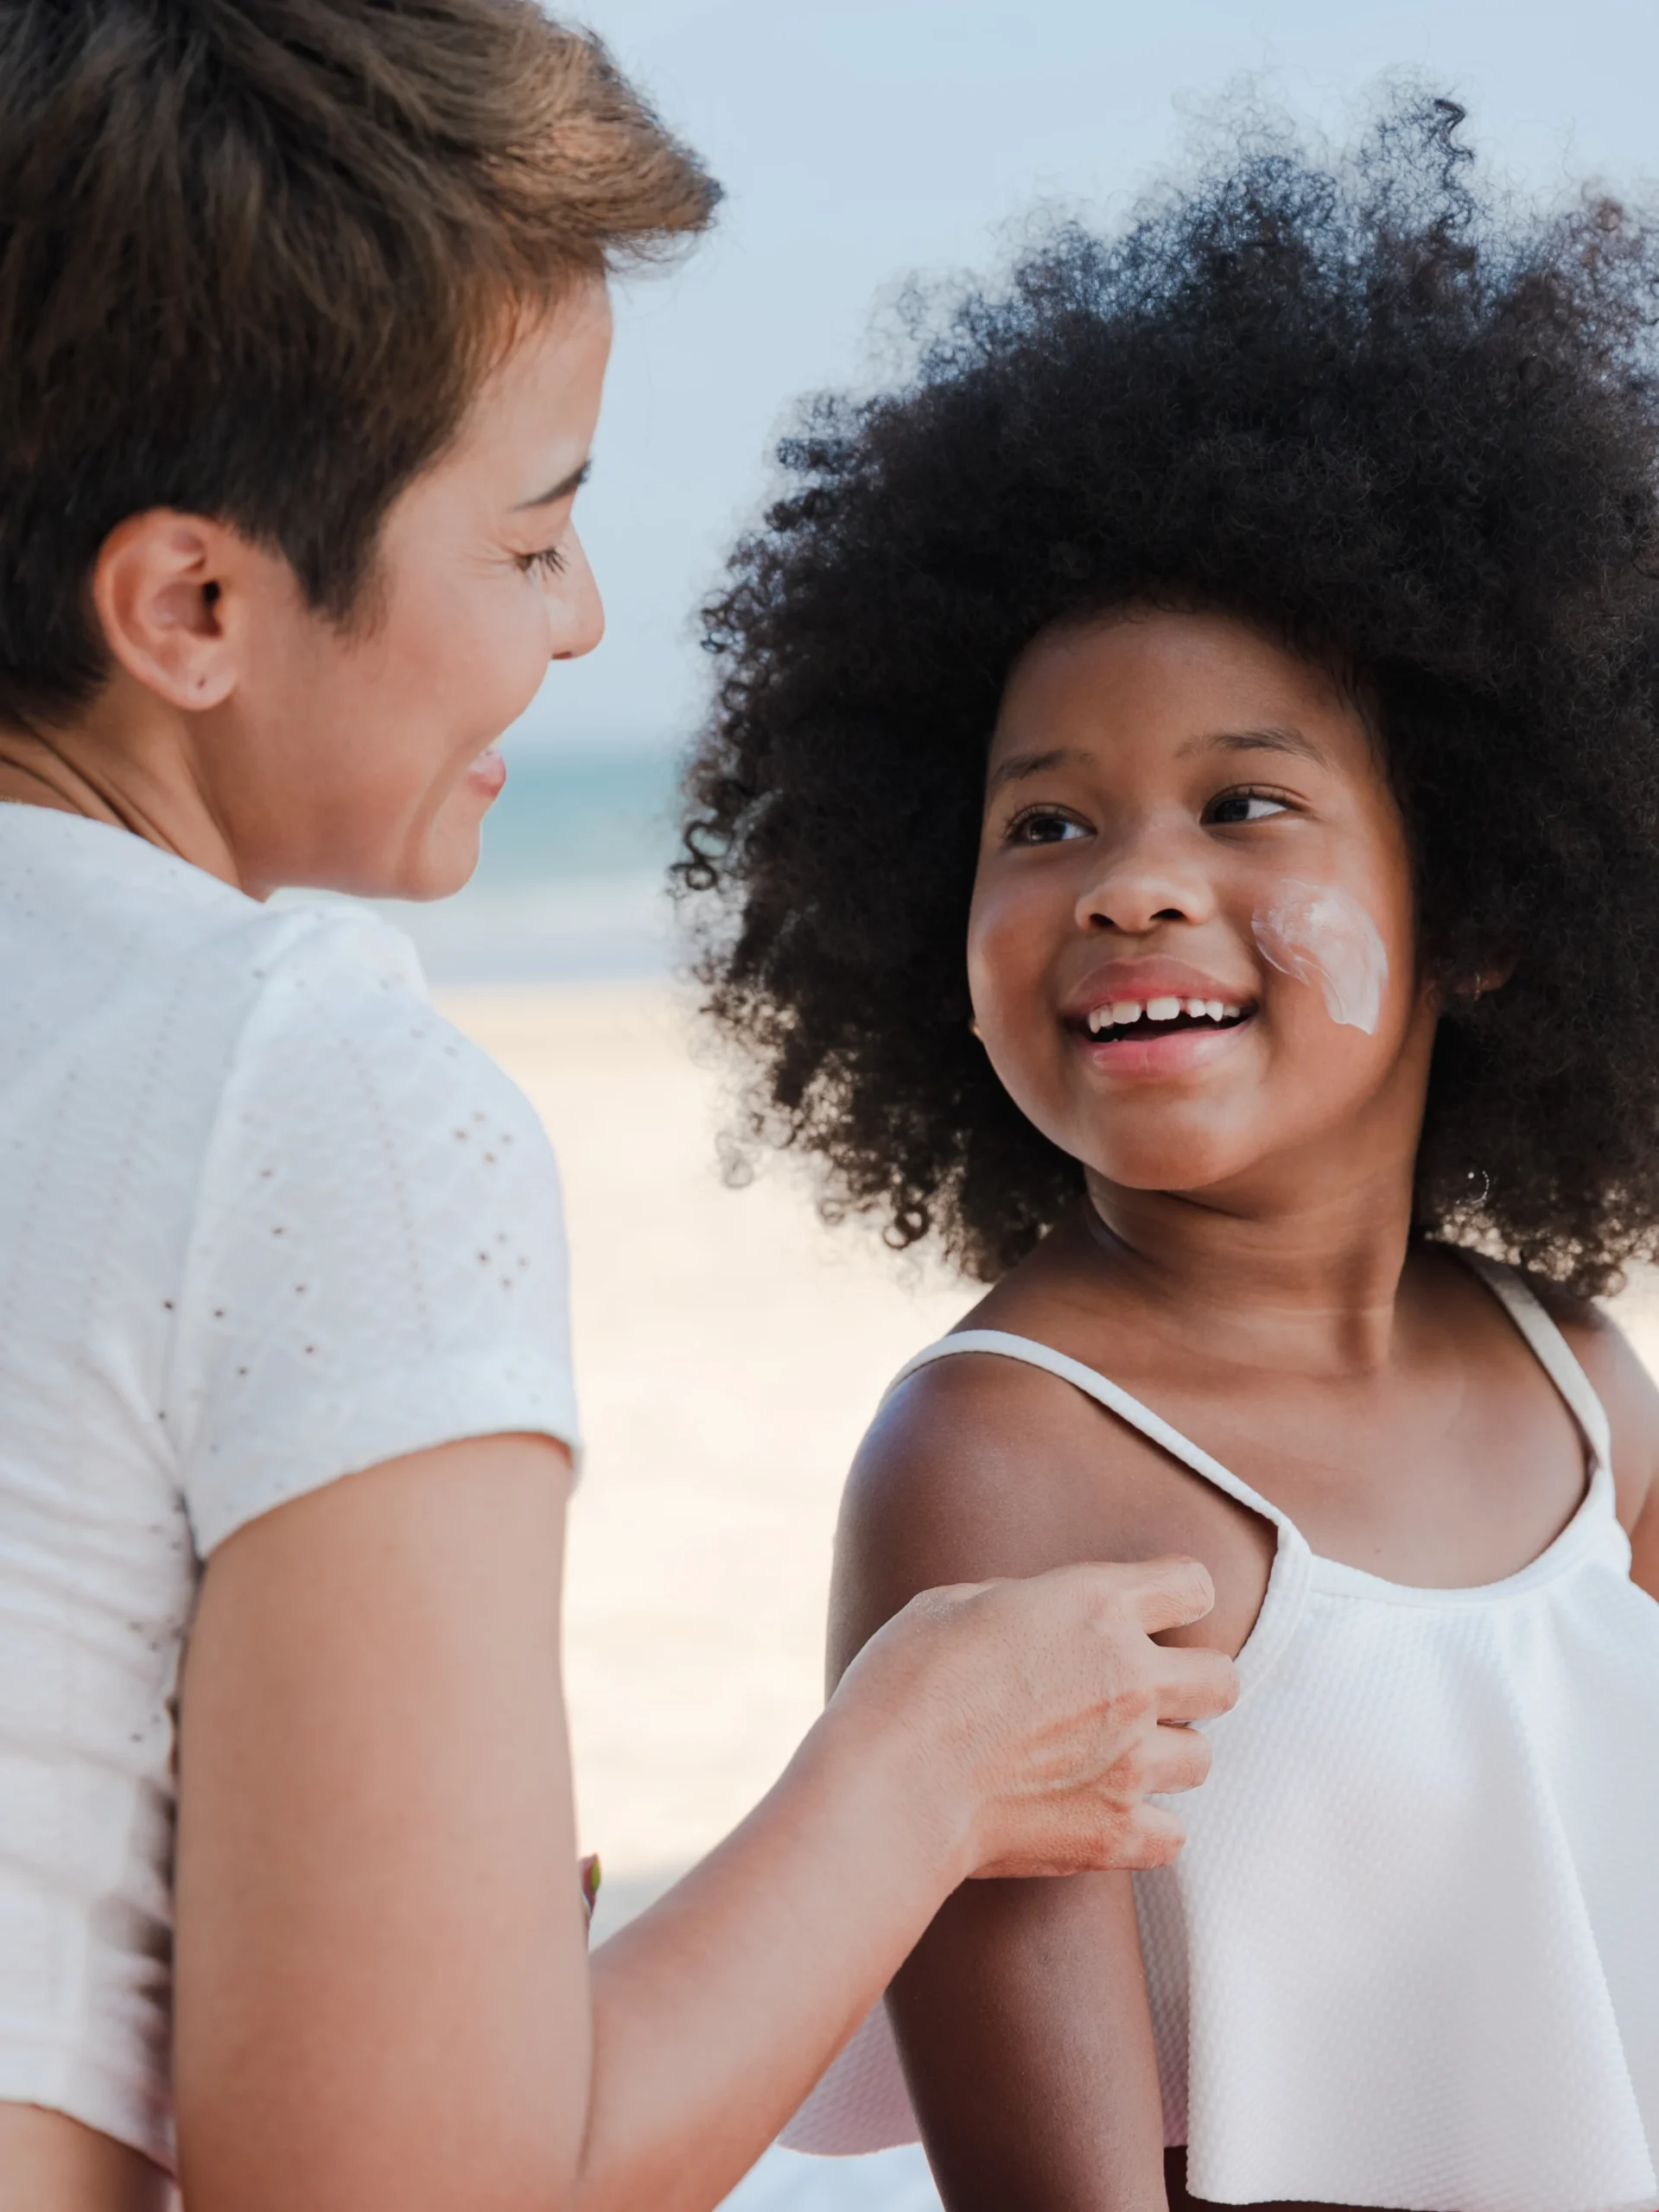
{"x": 1410, "y": 432}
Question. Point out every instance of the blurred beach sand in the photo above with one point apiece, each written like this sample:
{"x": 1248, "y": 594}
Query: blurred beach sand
{"x": 730, "y": 1350}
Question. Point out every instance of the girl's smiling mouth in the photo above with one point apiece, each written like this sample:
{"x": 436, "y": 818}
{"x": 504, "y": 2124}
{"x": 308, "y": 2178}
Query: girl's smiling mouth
{"x": 1150, "y": 1018}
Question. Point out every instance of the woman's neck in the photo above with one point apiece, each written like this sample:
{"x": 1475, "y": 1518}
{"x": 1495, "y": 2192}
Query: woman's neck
{"x": 134, "y": 780}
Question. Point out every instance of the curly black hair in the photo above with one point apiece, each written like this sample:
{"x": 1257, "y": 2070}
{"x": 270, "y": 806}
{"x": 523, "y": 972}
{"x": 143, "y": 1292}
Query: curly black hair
{"x": 1370, "y": 406}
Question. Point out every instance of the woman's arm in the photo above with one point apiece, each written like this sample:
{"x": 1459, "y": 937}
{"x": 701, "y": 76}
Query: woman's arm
{"x": 384, "y": 1998}
{"x": 1022, "y": 2013}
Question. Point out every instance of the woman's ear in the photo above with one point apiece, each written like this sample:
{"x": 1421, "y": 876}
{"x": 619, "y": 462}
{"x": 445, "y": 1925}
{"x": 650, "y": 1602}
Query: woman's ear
{"x": 160, "y": 585}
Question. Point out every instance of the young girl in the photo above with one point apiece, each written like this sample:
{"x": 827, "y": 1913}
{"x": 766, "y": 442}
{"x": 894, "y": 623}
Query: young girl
{"x": 1244, "y": 636}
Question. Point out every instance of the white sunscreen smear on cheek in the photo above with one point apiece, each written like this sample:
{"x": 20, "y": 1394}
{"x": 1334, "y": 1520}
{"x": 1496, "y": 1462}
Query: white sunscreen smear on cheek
{"x": 1320, "y": 934}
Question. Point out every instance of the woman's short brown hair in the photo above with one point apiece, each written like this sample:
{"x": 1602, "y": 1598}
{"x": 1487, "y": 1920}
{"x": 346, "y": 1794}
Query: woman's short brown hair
{"x": 255, "y": 255}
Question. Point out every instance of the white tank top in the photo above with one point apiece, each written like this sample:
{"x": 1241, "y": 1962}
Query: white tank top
{"x": 1409, "y": 1956}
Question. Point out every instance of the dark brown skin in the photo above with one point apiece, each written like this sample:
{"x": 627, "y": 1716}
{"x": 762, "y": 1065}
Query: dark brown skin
{"x": 1243, "y": 1266}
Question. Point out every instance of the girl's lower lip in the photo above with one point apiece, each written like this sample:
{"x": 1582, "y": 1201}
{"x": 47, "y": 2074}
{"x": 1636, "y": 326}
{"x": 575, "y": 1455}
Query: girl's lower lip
{"x": 488, "y": 772}
{"x": 1154, "y": 1060}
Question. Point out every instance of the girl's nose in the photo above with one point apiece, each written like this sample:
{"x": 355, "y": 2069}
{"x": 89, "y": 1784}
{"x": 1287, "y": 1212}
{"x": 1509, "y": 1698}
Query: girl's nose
{"x": 575, "y": 611}
{"x": 1144, "y": 881}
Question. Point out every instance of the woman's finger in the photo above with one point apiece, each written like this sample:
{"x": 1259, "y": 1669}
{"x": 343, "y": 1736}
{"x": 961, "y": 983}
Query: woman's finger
{"x": 1190, "y": 1684}
{"x": 1166, "y": 1593}
{"x": 1178, "y": 1759}
{"x": 1152, "y": 1838}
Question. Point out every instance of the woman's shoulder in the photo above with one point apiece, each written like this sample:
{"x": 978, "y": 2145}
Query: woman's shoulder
{"x": 336, "y": 1009}
{"x": 376, "y": 1260}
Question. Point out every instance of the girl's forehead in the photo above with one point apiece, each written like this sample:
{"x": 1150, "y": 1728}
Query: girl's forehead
{"x": 1177, "y": 684}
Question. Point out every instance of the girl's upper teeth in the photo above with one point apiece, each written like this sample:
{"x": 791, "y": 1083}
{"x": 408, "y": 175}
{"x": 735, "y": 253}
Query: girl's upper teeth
{"x": 1123, "y": 1013}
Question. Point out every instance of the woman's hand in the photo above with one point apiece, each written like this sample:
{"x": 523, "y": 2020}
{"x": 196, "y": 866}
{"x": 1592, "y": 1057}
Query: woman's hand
{"x": 1048, "y": 1706}
{"x": 385, "y": 2002}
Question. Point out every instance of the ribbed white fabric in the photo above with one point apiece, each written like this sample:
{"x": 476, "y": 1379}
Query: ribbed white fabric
{"x": 264, "y": 1218}
{"x": 1409, "y": 1956}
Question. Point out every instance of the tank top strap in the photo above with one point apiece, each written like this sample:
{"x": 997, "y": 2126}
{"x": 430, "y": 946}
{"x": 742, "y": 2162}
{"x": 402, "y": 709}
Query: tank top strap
{"x": 1555, "y": 1355}
{"x": 1107, "y": 1393}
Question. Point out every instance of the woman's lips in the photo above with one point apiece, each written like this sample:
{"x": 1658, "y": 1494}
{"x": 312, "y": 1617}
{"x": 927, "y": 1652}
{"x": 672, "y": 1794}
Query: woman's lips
{"x": 488, "y": 772}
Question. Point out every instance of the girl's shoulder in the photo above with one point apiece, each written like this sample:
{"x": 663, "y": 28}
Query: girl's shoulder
{"x": 980, "y": 1464}
{"x": 1607, "y": 1349}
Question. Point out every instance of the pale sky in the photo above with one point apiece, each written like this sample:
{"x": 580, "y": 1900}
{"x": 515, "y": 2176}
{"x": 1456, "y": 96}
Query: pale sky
{"x": 863, "y": 142}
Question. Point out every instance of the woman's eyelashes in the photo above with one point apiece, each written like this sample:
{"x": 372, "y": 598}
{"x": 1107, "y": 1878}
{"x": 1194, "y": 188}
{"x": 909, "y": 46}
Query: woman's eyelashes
{"x": 549, "y": 562}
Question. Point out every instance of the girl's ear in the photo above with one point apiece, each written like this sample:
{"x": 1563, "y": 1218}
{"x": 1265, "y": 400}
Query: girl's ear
{"x": 166, "y": 586}
{"x": 1491, "y": 978}
{"x": 1471, "y": 983}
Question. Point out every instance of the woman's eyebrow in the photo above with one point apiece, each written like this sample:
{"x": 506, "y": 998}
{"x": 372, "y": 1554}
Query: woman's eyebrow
{"x": 572, "y": 482}
{"x": 1269, "y": 740}
{"x": 1010, "y": 769}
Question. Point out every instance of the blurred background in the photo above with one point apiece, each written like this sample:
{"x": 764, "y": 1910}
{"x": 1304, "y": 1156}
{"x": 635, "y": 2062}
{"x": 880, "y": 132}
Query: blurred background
{"x": 729, "y": 1347}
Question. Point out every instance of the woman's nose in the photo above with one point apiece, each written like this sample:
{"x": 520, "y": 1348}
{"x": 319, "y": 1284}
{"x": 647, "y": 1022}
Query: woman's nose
{"x": 575, "y": 611}
{"x": 1142, "y": 881}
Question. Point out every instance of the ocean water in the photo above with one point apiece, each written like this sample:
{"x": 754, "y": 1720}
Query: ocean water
{"x": 572, "y": 880}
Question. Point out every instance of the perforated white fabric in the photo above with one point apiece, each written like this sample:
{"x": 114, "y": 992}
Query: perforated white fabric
{"x": 264, "y": 1219}
{"x": 1409, "y": 1956}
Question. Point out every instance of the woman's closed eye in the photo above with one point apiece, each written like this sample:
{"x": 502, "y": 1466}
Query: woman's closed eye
{"x": 1232, "y": 808}
{"x": 549, "y": 562}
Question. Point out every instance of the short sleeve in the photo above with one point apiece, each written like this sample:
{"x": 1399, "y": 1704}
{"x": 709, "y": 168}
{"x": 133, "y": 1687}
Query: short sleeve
{"x": 378, "y": 1263}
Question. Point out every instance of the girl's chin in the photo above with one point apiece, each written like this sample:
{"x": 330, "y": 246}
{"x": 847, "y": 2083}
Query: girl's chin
{"x": 1165, "y": 1152}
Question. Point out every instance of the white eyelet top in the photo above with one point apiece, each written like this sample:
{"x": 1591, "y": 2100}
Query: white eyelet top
{"x": 1409, "y": 1956}
{"x": 264, "y": 1219}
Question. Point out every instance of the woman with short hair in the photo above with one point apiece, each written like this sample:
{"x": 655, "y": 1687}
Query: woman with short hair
{"x": 303, "y": 332}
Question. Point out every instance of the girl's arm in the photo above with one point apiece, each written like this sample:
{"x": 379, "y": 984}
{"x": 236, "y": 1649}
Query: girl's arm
{"x": 384, "y": 1999}
{"x": 1022, "y": 2013}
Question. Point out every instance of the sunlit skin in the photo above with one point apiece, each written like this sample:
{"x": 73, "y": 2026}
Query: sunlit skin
{"x": 1242, "y": 1264}
{"x": 272, "y": 744}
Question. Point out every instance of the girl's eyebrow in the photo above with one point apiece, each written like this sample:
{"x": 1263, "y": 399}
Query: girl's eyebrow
{"x": 1017, "y": 765}
{"x": 1256, "y": 740}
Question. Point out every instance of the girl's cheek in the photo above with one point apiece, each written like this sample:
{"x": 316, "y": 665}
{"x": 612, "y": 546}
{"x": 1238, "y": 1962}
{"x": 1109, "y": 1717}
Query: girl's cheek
{"x": 1320, "y": 934}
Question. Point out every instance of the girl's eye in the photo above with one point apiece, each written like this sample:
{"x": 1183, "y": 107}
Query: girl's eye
{"x": 1041, "y": 825}
{"x": 548, "y": 562}
{"x": 1244, "y": 806}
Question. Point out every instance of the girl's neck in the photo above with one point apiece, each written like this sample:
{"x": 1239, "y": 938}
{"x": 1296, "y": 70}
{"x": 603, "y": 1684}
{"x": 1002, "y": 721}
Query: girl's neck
{"x": 1310, "y": 1285}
